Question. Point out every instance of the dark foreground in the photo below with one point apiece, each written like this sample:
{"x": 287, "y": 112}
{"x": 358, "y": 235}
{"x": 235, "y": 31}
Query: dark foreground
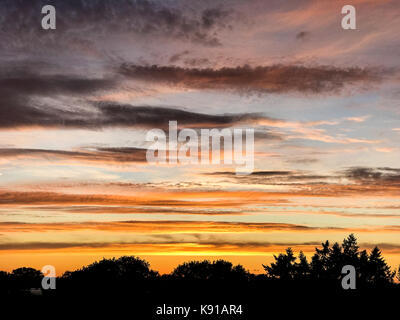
{"x": 259, "y": 299}
{"x": 291, "y": 286}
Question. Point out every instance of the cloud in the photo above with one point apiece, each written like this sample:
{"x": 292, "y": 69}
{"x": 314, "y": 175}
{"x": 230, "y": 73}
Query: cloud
{"x": 104, "y": 155}
{"x": 357, "y": 119}
{"x": 309, "y": 130}
{"x": 158, "y": 117}
{"x": 302, "y": 35}
{"x": 386, "y": 149}
{"x": 261, "y": 79}
{"x": 79, "y": 18}
{"x": 354, "y": 181}
{"x": 379, "y": 176}
{"x": 26, "y": 101}
{"x": 18, "y": 109}
{"x": 273, "y": 177}
{"x": 265, "y": 134}
{"x": 33, "y": 83}
{"x": 387, "y": 247}
{"x": 177, "y": 57}
{"x": 20, "y": 93}
{"x": 154, "y": 226}
{"x": 182, "y": 226}
{"x": 157, "y": 208}
{"x": 255, "y": 173}
{"x": 307, "y": 161}
{"x": 299, "y": 131}
{"x": 149, "y": 198}
{"x": 190, "y": 243}
{"x": 158, "y": 245}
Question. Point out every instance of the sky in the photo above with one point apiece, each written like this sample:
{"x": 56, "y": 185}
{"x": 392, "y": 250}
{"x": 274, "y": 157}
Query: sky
{"x": 76, "y": 104}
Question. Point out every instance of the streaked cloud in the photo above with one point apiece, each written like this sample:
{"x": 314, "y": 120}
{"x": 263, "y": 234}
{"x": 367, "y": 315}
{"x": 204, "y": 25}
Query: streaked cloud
{"x": 380, "y": 176}
{"x": 154, "y": 226}
{"x": 260, "y": 79}
{"x": 103, "y": 155}
{"x": 171, "y": 226}
{"x": 98, "y": 115}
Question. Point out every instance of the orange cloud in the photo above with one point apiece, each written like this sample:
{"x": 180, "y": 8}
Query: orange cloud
{"x": 171, "y": 226}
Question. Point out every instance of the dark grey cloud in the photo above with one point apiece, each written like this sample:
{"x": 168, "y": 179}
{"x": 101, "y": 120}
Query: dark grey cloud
{"x": 20, "y": 90}
{"x": 380, "y": 175}
{"x": 18, "y": 107}
{"x": 261, "y": 79}
{"x": 40, "y": 84}
{"x": 365, "y": 179}
{"x": 294, "y": 175}
{"x": 255, "y": 173}
{"x": 23, "y": 103}
{"x": 192, "y": 62}
{"x": 273, "y": 177}
{"x": 302, "y": 160}
{"x": 178, "y": 56}
{"x": 82, "y": 20}
{"x": 22, "y": 94}
{"x": 159, "y": 117}
{"x": 303, "y": 35}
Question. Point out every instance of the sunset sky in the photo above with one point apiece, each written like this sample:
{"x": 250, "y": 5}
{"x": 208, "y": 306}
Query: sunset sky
{"x": 76, "y": 103}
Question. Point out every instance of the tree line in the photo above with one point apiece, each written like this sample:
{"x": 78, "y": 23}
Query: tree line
{"x": 324, "y": 266}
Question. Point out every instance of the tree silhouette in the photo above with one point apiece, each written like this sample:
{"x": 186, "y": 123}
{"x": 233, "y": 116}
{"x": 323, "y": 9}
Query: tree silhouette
{"x": 111, "y": 273}
{"x": 398, "y": 274}
{"x": 284, "y": 267}
{"x": 26, "y": 278}
{"x": 327, "y": 263}
{"x": 378, "y": 271}
{"x": 302, "y": 268}
{"x": 4, "y": 281}
{"x": 206, "y": 270}
{"x": 3, "y": 276}
{"x": 129, "y": 276}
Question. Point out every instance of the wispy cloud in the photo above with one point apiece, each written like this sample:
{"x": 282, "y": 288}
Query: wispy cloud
{"x": 358, "y": 119}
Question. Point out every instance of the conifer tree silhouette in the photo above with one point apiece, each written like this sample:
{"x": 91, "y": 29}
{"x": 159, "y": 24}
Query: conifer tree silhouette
{"x": 328, "y": 261}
